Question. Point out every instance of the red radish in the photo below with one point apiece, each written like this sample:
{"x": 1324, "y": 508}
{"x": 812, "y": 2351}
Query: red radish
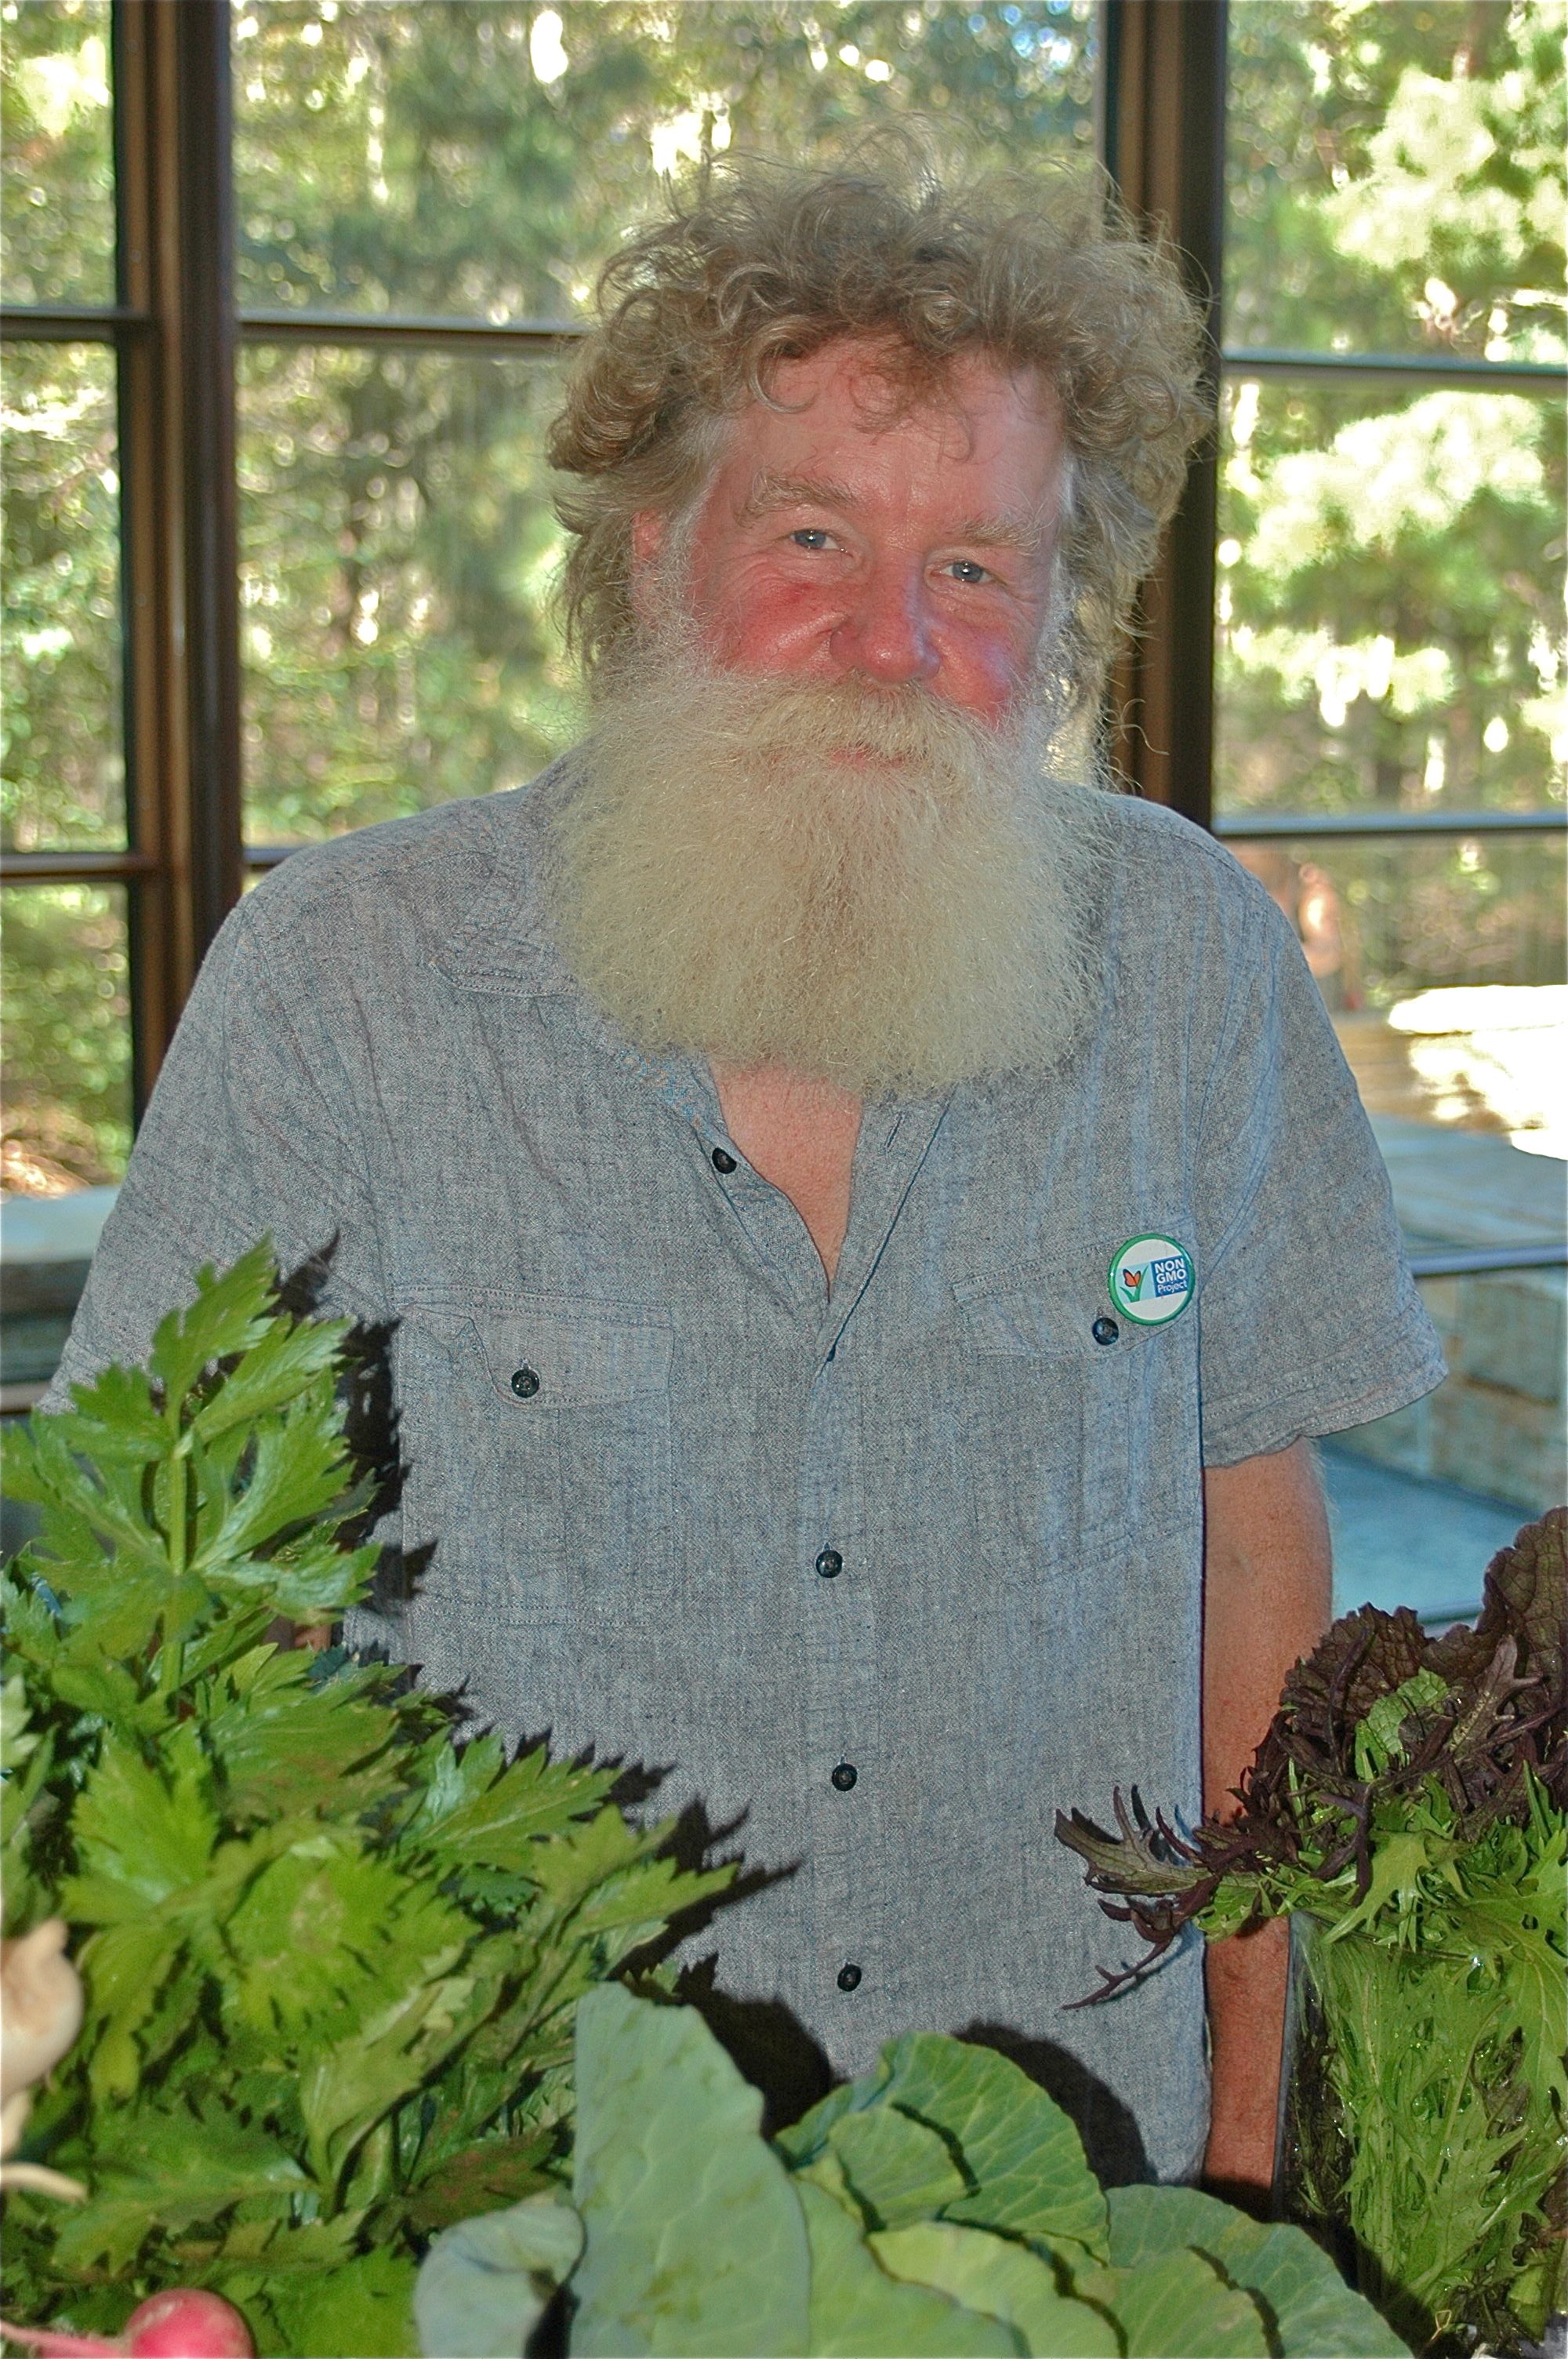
{"x": 183, "y": 2323}
{"x": 186, "y": 2323}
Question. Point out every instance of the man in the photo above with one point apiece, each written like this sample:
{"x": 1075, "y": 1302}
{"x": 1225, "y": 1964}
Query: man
{"x": 867, "y": 1224}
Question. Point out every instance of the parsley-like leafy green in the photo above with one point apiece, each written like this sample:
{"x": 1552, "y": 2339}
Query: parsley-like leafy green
{"x": 332, "y": 1950}
{"x": 1410, "y": 1802}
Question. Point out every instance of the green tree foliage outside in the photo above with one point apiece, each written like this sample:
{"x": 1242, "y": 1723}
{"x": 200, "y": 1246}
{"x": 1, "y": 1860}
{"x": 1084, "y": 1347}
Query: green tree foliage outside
{"x": 1390, "y": 625}
{"x": 1389, "y": 634}
{"x": 68, "y": 1042}
{"x": 481, "y": 160}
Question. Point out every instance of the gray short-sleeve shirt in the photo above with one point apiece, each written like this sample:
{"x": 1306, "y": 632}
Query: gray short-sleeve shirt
{"x": 940, "y": 1527}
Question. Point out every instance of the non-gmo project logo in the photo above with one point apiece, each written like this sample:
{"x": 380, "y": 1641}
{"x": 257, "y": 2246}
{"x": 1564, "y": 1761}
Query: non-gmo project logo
{"x": 1150, "y": 1280}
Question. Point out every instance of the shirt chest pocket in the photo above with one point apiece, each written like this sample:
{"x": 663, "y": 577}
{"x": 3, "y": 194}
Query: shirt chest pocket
{"x": 552, "y": 1439}
{"x": 1050, "y": 1378}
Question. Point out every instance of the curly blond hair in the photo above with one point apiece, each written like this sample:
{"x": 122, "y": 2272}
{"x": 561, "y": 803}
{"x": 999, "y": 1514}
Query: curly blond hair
{"x": 766, "y": 263}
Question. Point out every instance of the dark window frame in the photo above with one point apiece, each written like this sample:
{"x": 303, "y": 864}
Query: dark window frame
{"x": 175, "y": 329}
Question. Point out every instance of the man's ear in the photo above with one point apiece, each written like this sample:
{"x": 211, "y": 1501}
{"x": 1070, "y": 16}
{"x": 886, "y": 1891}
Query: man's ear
{"x": 649, "y": 528}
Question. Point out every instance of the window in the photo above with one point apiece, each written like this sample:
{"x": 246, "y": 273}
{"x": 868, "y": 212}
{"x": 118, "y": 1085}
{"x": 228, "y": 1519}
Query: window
{"x": 406, "y": 300}
{"x": 67, "y": 934}
{"x": 1390, "y": 715}
{"x": 235, "y": 629}
{"x": 379, "y": 223}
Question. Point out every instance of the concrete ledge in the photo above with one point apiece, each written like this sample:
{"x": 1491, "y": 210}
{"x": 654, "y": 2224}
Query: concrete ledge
{"x": 46, "y": 1246}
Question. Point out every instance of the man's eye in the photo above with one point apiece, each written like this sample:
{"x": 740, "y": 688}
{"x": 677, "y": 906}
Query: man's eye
{"x": 964, "y": 569}
{"x": 810, "y": 536}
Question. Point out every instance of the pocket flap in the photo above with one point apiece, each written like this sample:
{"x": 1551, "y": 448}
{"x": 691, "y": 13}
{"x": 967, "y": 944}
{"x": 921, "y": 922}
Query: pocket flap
{"x": 548, "y": 1351}
{"x": 1046, "y": 1311}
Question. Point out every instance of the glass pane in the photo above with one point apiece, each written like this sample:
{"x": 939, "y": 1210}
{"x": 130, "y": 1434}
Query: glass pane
{"x": 1421, "y": 936}
{"x": 62, "y": 759}
{"x": 485, "y": 159}
{"x": 67, "y": 1037}
{"x": 1394, "y": 178}
{"x": 398, "y": 554}
{"x": 1389, "y": 618}
{"x": 57, "y": 152}
{"x": 1441, "y": 961}
{"x": 1421, "y": 1500}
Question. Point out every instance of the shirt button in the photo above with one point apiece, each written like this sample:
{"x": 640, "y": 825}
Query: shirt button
{"x": 524, "y": 1383}
{"x": 830, "y": 1564}
{"x": 849, "y": 1978}
{"x": 1105, "y": 1330}
{"x": 845, "y": 1776}
{"x": 723, "y": 1162}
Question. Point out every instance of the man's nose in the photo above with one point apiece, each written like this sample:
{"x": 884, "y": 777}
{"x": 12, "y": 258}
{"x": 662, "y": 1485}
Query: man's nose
{"x": 886, "y": 632}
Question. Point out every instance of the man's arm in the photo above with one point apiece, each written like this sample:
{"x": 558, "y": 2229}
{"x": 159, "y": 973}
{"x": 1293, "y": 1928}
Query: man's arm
{"x": 1266, "y": 1603}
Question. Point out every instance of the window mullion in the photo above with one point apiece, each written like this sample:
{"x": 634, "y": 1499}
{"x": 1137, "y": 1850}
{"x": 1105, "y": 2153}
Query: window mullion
{"x": 1165, "y": 149}
{"x": 177, "y": 405}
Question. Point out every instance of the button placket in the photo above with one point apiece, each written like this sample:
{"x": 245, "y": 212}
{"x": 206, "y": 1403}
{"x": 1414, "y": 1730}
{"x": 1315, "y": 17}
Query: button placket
{"x": 839, "y": 1719}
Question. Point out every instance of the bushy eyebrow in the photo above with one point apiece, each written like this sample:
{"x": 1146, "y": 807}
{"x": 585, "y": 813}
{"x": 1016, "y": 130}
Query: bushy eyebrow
{"x": 770, "y": 492}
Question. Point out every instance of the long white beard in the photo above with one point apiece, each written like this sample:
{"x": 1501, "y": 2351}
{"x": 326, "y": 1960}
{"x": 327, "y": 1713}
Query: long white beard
{"x": 861, "y": 885}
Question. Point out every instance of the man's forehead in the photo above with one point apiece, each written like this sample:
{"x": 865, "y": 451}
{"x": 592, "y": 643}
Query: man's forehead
{"x": 825, "y": 420}
{"x": 879, "y": 384}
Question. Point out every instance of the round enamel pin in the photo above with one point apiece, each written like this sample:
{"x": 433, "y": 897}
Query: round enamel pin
{"x": 1150, "y": 1279}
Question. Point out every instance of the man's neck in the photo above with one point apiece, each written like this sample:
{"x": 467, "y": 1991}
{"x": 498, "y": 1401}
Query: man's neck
{"x": 799, "y": 1135}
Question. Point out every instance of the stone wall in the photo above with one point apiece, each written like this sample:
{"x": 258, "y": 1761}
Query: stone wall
{"x": 1496, "y": 1424}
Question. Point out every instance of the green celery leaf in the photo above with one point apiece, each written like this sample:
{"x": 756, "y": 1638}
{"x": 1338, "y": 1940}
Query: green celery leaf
{"x": 171, "y": 2169}
{"x": 1179, "y": 2307}
{"x": 115, "y": 1417}
{"x": 86, "y": 1503}
{"x": 329, "y": 1932}
{"x": 1005, "y": 2281}
{"x": 106, "y": 1690}
{"x": 284, "y": 1742}
{"x": 632, "y": 1905}
{"x": 859, "y": 2312}
{"x": 347, "y": 2086}
{"x": 484, "y": 2286}
{"x": 365, "y": 2306}
{"x": 279, "y": 1367}
{"x": 695, "y": 2242}
{"x": 297, "y": 1471}
{"x": 229, "y": 1315}
{"x": 485, "y": 1812}
{"x": 1305, "y": 2302}
{"x": 585, "y": 1855}
{"x": 124, "y": 1968}
{"x": 32, "y": 1628}
{"x": 312, "y": 1580}
{"x": 898, "y": 2169}
{"x": 142, "y": 1834}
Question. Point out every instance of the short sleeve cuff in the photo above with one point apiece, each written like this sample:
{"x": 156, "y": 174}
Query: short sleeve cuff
{"x": 1350, "y": 1390}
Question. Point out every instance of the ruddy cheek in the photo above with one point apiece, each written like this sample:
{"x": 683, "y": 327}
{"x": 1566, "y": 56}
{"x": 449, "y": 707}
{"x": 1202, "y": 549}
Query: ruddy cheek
{"x": 773, "y": 628}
